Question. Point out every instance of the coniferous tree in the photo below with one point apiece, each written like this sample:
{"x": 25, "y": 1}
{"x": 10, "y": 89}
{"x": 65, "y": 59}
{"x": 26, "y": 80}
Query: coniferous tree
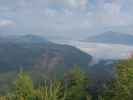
{"x": 23, "y": 87}
{"x": 77, "y": 82}
{"x": 53, "y": 91}
{"x": 122, "y": 87}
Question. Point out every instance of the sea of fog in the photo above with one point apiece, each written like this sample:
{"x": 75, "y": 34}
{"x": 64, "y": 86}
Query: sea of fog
{"x": 101, "y": 50}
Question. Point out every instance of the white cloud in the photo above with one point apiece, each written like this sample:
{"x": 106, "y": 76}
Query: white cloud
{"x": 111, "y": 14}
{"x": 101, "y": 50}
{"x": 6, "y": 23}
{"x": 68, "y": 16}
{"x": 80, "y": 4}
{"x": 70, "y": 4}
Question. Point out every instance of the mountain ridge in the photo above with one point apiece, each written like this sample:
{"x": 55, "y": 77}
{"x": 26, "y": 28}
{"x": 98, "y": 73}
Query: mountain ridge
{"x": 111, "y": 37}
{"x": 27, "y": 51}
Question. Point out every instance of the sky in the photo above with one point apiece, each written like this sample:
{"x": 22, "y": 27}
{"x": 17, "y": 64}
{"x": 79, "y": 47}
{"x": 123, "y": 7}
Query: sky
{"x": 72, "y": 18}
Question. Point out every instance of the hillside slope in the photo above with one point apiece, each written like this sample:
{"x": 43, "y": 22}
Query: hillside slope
{"x": 41, "y": 58}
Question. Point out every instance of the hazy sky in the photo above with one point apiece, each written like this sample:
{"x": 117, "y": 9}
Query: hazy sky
{"x": 65, "y": 17}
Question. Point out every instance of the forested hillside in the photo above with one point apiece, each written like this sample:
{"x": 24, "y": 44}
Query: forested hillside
{"x": 74, "y": 86}
{"x": 27, "y": 51}
{"x": 38, "y": 56}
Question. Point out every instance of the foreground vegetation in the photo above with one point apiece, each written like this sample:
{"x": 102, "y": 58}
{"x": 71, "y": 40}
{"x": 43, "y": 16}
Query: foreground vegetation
{"x": 74, "y": 83}
{"x": 75, "y": 86}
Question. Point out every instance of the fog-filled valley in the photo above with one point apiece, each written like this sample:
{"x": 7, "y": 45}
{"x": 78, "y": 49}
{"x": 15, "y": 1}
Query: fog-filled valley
{"x": 101, "y": 50}
{"x": 45, "y": 58}
{"x": 66, "y": 49}
{"x": 49, "y": 59}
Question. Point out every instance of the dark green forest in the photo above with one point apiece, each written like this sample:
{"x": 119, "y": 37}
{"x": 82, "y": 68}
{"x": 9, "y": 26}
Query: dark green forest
{"x": 74, "y": 86}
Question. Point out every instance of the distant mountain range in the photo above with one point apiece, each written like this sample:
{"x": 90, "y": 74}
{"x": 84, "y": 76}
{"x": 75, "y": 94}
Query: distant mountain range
{"x": 113, "y": 38}
{"x": 39, "y": 57}
{"x": 35, "y": 51}
{"x": 42, "y": 59}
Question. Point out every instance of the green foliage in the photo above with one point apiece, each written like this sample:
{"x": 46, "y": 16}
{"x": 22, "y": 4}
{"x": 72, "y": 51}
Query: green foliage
{"x": 74, "y": 85}
{"x": 72, "y": 89}
{"x": 23, "y": 87}
{"x": 77, "y": 82}
{"x": 51, "y": 92}
{"x": 122, "y": 87}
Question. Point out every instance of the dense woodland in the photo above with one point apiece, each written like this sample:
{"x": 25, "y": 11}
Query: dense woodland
{"x": 74, "y": 86}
